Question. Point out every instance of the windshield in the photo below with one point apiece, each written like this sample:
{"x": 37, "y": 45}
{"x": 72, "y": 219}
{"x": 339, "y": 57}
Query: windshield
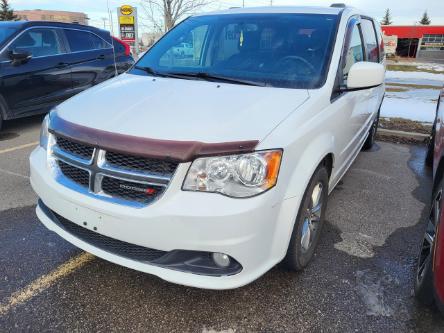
{"x": 278, "y": 50}
{"x": 5, "y": 32}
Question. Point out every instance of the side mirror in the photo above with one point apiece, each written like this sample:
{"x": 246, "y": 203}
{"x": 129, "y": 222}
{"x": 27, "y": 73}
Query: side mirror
{"x": 364, "y": 75}
{"x": 19, "y": 58}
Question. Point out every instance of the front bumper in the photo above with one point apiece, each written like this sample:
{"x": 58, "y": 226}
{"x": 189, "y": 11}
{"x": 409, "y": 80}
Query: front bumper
{"x": 255, "y": 231}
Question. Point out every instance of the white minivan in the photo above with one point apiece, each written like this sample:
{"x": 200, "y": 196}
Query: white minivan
{"x": 208, "y": 170}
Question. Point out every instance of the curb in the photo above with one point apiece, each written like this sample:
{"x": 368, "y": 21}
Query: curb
{"x": 402, "y": 134}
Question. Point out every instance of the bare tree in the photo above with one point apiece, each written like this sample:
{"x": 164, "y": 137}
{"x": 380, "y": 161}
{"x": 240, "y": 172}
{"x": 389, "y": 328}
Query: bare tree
{"x": 165, "y": 14}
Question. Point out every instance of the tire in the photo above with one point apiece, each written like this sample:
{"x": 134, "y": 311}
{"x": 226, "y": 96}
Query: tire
{"x": 368, "y": 144}
{"x": 424, "y": 289}
{"x": 309, "y": 222}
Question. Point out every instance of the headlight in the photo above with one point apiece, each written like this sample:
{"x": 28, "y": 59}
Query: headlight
{"x": 236, "y": 176}
{"x": 44, "y": 132}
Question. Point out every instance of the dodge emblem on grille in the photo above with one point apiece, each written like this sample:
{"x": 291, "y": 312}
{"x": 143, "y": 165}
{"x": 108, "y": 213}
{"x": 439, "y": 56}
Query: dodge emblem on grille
{"x": 149, "y": 191}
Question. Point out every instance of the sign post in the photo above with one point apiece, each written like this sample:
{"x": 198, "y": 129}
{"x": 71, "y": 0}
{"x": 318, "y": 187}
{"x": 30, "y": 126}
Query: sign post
{"x": 127, "y": 17}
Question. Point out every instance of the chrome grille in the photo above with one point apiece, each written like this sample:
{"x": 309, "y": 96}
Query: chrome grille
{"x": 132, "y": 191}
{"x": 142, "y": 164}
{"x": 79, "y": 176}
{"x": 74, "y": 148}
{"x": 110, "y": 176}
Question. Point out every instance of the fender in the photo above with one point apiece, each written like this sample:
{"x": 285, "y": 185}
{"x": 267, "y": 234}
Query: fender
{"x": 306, "y": 165}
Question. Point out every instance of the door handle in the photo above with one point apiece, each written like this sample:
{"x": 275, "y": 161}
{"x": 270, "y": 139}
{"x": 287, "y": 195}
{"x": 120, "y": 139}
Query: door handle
{"x": 62, "y": 65}
{"x": 101, "y": 57}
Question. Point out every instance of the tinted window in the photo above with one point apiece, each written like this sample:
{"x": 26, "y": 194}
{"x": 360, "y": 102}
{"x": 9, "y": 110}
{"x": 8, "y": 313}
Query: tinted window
{"x": 381, "y": 48}
{"x": 118, "y": 47}
{"x": 280, "y": 50}
{"x": 353, "y": 52}
{"x": 38, "y": 42}
{"x": 84, "y": 41}
{"x": 369, "y": 34}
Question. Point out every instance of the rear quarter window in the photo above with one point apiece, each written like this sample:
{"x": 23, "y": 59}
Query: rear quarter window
{"x": 118, "y": 47}
{"x": 84, "y": 41}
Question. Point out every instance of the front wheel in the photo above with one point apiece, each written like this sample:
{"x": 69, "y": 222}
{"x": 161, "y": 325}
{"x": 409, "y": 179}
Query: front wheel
{"x": 424, "y": 273}
{"x": 368, "y": 144}
{"x": 309, "y": 222}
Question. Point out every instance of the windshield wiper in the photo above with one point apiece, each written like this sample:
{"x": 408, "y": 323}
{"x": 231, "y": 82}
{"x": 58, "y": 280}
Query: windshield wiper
{"x": 214, "y": 77}
{"x": 153, "y": 72}
{"x": 148, "y": 70}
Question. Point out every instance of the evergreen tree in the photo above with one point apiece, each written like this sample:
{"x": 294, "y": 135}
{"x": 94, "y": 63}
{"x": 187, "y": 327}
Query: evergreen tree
{"x": 425, "y": 20}
{"x": 387, "y": 19}
{"x": 6, "y": 12}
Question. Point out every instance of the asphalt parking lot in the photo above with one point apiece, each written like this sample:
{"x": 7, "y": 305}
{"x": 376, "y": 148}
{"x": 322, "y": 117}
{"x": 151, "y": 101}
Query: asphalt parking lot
{"x": 360, "y": 281}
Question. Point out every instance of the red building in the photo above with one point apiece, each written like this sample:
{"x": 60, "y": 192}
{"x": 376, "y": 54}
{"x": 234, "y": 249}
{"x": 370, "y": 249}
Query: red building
{"x": 418, "y": 41}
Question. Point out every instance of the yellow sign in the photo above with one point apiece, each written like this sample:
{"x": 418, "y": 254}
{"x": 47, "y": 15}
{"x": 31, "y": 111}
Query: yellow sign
{"x": 126, "y": 10}
{"x": 126, "y": 19}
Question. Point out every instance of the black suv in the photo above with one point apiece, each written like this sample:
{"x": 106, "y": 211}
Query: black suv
{"x": 44, "y": 63}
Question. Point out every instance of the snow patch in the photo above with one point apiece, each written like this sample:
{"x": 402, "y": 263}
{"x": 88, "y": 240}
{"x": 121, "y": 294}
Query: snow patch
{"x": 432, "y": 67}
{"x": 409, "y": 108}
{"x": 414, "y": 75}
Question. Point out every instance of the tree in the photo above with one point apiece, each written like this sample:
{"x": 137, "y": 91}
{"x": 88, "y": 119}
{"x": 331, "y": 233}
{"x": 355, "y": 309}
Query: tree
{"x": 387, "y": 19}
{"x": 6, "y": 12}
{"x": 165, "y": 14}
{"x": 425, "y": 20}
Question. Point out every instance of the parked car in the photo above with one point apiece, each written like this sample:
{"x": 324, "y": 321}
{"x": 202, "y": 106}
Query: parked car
{"x": 184, "y": 50}
{"x": 429, "y": 283}
{"x": 44, "y": 63}
{"x": 209, "y": 172}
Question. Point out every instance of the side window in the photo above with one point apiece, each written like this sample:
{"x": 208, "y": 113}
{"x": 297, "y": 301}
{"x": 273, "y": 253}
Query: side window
{"x": 188, "y": 51}
{"x": 371, "y": 43}
{"x": 84, "y": 41}
{"x": 353, "y": 52}
{"x": 38, "y": 42}
{"x": 381, "y": 48}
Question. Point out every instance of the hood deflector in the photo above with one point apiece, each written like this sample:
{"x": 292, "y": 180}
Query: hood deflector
{"x": 181, "y": 151}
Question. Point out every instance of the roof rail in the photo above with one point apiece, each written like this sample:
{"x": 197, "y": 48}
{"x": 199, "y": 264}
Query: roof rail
{"x": 338, "y": 5}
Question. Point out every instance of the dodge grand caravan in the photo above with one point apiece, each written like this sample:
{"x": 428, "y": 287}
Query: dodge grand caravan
{"x": 210, "y": 169}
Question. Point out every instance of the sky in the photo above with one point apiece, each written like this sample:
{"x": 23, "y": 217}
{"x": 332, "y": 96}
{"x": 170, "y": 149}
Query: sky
{"x": 405, "y": 12}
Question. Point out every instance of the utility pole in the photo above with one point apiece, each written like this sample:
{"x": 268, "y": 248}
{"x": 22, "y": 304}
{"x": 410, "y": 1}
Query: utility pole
{"x": 243, "y": 3}
{"x": 111, "y": 23}
{"x": 271, "y": 2}
{"x": 104, "y": 22}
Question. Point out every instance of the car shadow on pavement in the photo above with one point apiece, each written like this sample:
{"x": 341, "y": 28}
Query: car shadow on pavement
{"x": 12, "y": 128}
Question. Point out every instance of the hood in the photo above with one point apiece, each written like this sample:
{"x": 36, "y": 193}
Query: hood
{"x": 182, "y": 110}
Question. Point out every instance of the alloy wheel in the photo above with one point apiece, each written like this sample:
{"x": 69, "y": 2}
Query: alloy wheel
{"x": 312, "y": 218}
